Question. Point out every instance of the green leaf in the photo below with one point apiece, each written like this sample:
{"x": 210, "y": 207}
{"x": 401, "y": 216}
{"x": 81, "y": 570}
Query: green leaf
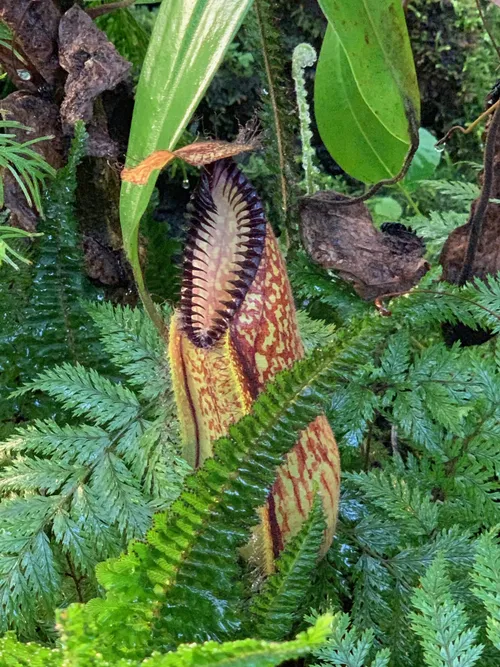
{"x": 486, "y": 577}
{"x": 441, "y": 623}
{"x": 386, "y": 208}
{"x": 247, "y": 652}
{"x": 188, "y": 43}
{"x": 374, "y": 36}
{"x": 16, "y": 654}
{"x": 276, "y": 607}
{"x": 350, "y": 130}
{"x": 426, "y": 159}
{"x": 366, "y": 94}
{"x": 348, "y": 647}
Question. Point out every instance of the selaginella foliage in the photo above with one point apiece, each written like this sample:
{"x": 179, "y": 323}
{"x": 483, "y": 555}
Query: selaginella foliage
{"x": 417, "y": 424}
{"x": 73, "y": 493}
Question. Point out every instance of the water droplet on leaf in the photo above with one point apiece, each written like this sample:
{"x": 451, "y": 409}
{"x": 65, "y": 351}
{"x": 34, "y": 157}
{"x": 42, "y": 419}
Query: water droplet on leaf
{"x": 23, "y": 74}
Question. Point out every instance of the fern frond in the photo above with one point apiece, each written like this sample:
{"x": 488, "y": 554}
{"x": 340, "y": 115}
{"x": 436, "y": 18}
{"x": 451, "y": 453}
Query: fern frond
{"x": 86, "y": 392}
{"x": 314, "y": 333}
{"x": 134, "y": 346}
{"x": 441, "y": 623}
{"x": 7, "y": 251}
{"x": 460, "y": 192}
{"x": 49, "y": 324}
{"x": 414, "y": 509}
{"x": 247, "y": 652}
{"x": 240, "y": 653}
{"x": 29, "y": 168}
{"x": 486, "y": 578}
{"x": 198, "y": 538}
{"x": 275, "y": 608}
{"x": 74, "y": 494}
{"x": 347, "y": 647}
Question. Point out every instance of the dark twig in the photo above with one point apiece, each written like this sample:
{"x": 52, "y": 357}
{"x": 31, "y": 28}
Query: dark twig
{"x": 476, "y": 221}
{"x": 349, "y": 201}
{"x": 469, "y": 128}
{"x": 485, "y": 26}
{"x": 76, "y": 579}
{"x": 94, "y": 12}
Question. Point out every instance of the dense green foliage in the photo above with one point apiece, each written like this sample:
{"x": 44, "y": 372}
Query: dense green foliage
{"x": 113, "y": 552}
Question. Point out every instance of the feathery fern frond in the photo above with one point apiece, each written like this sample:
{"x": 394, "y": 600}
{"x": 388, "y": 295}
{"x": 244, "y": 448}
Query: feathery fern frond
{"x": 74, "y": 494}
{"x": 49, "y": 324}
{"x": 85, "y": 392}
{"x": 28, "y": 167}
{"x": 460, "y": 192}
{"x": 14, "y": 653}
{"x": 314, "y": 333}
{"x": 347, "y": 647}
{"x": 134, "y": 346}
{"x": 274, "y": 609}
{"x": 486, "y": 578}
{"x": 398, "y": 500}
{"x": 441, "y": 623}
{"x": 198, "y": 539}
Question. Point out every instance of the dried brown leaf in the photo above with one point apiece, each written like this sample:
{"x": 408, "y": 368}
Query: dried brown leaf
{"x": 344, "y": 238}
{"x": 198, "y": 154}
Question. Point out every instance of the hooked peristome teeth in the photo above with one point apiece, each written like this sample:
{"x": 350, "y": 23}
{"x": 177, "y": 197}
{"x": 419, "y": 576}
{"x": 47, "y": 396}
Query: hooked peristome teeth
{"x": 224, "y": 245}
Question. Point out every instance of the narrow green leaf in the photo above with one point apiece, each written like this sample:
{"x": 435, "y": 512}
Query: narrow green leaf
{"x": 274, "y": 610}
{"x": 188, "y": 43}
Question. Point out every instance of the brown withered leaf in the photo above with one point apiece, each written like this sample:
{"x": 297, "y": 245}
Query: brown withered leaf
{"x": 91, "y": 61}
{"x": 34, "y": 25}
{"x": 42, "y": 117}
{"x": 343, "y": 238}
{"x": 198, "y": 154}
{"x": 487, "y": 257}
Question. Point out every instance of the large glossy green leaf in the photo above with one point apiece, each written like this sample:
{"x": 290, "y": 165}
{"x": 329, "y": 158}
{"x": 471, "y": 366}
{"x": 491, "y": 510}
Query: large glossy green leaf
{"x": 374, "y": 36}
{"x": 349, "y": 128}
{"x": 188, "y": 43}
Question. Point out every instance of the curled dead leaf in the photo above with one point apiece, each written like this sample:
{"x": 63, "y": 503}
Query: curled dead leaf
{"x": 344, "y": 238}
{"x": 198, "y": 154}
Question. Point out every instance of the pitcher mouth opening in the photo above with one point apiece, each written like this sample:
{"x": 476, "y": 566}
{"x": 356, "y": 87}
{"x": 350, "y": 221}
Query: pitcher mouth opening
{"x": 224, "y": 245}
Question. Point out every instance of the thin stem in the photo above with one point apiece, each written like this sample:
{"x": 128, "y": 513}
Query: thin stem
{"x": 476, "y": 221}
{"x": 409, "y": 199}
{"x": 368, "y": 447}
{"x": 485, "y": 26}
{"x": 391, "y": 295}
{"x": 76, "y": 579}
{"x": 94, "y": 12}
{"x": 469, "y": 128}
{"x": 274, "y": 106}
{"x": 148, "y": 303}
